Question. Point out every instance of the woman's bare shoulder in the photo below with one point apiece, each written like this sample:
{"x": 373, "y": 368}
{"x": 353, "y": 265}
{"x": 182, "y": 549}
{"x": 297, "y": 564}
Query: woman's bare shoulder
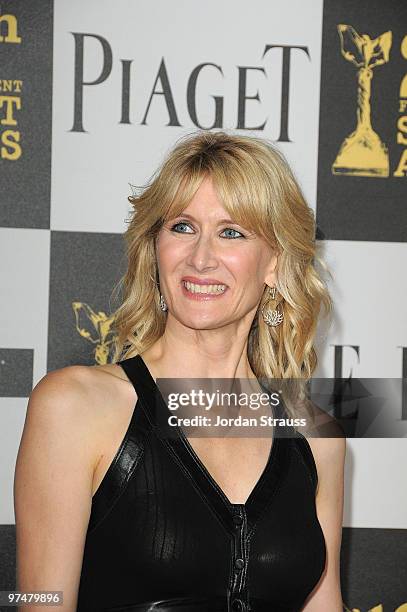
{"x": 87, "y": 398}
{"x": 319, "y": 423}
{"x": 79, "y": 382}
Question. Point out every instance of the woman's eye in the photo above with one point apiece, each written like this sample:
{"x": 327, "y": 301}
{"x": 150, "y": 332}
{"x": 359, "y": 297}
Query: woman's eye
{"x": 182, "y": 223}
{"x": 230, "y": 229}
{"x": 177, "y": 225}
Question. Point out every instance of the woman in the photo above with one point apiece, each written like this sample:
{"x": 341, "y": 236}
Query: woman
{"x": 114, "y": 510}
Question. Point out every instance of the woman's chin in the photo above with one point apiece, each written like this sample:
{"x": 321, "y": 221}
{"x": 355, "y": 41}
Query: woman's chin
{"x": 202, "y": 321}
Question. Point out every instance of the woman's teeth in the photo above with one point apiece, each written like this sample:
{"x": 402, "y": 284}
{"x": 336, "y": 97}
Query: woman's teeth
{"x": 204, "y": 288}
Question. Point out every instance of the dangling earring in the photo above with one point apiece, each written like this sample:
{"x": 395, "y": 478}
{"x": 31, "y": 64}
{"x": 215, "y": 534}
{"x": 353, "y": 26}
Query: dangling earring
{"x": 272, "y": 316}
{"x": 163, "y": 305}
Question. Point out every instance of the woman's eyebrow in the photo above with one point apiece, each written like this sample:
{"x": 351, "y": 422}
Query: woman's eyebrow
{"x": 186, "y": 215}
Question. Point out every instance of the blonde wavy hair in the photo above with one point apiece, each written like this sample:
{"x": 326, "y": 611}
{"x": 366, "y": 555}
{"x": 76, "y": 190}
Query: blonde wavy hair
{"x": 259, "y": 191}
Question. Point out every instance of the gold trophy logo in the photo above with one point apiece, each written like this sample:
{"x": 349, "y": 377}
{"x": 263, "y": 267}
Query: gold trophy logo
{"x": 362, "y": 153}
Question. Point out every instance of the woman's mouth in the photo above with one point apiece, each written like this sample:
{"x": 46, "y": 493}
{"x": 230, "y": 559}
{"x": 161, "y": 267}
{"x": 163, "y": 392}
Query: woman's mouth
{"x": 202, "y": 292}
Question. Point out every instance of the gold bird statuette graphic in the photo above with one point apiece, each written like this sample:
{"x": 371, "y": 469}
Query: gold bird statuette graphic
{"x": 96, "y": 328}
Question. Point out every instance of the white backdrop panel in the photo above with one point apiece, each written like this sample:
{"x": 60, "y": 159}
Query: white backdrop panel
{"x": 91, "y": 171}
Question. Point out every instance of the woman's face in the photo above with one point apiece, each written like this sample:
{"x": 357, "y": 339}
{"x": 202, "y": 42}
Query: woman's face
{"x": 201, "y": 246}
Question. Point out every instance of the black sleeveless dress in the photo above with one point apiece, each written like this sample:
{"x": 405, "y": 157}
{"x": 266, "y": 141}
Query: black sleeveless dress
{"x": 162, "y": 535}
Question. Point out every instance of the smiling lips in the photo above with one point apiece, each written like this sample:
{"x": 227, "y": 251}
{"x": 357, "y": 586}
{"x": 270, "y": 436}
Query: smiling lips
{"x": 199, "y": 289}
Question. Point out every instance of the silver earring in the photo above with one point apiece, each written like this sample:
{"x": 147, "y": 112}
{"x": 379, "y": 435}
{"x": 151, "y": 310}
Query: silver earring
{"x": 163, "y": 305}
{"x": 272, "y": 316}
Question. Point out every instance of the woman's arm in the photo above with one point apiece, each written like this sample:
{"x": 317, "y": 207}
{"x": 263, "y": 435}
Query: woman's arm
{"x": 53, "y": 486}
{"x": 329, "y": 456}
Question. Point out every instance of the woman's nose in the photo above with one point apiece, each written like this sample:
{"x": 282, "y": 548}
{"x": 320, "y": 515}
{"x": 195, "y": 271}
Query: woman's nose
{"x": 203, "y": 252}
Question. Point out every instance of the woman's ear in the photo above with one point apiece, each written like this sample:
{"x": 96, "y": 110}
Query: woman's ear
{"x": 271, "y": 272}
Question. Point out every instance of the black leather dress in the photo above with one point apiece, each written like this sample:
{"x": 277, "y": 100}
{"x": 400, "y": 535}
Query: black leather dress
{"x": 162, "y": 535}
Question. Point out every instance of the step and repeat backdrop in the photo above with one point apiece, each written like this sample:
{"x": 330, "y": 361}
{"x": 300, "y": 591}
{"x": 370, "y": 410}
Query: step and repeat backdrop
{"x": 93, "y": 94}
